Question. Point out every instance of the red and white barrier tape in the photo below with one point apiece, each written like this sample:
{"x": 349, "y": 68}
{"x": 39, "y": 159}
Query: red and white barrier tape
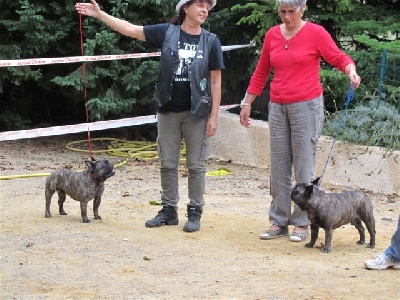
{"x": 77, "y": 59}
{"x": 94, "y": 126}
{"x": 71, "y": 59}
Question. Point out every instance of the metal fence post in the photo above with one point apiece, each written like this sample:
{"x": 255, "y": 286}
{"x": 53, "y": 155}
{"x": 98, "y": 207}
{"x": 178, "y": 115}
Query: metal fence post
{"x": 382, "y": 75}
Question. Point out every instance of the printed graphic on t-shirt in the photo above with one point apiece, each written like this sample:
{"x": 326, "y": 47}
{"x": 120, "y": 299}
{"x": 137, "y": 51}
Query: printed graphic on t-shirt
{"x": 186, "y": 54}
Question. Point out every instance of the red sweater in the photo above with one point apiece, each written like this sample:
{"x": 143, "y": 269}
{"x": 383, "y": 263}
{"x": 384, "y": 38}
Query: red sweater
{"x": 296, "y": 70}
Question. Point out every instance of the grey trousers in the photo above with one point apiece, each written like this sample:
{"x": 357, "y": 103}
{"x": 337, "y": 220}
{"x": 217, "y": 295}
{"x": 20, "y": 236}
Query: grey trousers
{"x": 172, "y": 128}
{"x": 294, "y": 132}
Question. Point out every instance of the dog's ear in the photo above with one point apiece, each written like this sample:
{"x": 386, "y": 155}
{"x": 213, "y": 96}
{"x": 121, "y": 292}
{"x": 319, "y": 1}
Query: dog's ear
{"x": 309, "y": 190}
{"x": 316, "y": 181}
{"x": 89, "y": 164}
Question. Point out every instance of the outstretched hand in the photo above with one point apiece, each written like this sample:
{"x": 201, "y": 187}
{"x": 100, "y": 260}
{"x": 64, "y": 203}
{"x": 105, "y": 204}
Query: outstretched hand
{"x": 88, "y": 9}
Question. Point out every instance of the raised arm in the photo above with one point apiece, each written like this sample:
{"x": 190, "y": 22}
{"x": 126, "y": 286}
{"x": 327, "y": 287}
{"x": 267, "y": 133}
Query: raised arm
{"x": 124, "y": 27}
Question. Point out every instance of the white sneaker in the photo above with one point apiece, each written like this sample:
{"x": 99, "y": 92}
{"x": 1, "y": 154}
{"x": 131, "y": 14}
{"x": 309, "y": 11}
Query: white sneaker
{"x": 381, "y": 262}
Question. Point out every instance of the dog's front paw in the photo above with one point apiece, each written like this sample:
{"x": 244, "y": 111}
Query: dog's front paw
{"x": 360, "y": 242}
{"x": 86, "y": 220}
{"x": 47, "y": 215}
{"x": 309, "y": 245}
{"x": 97, "y": 217}
{"x": 326, "y": 249}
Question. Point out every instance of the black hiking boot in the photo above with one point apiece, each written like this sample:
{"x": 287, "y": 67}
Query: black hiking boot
{"x": 168, "y": 215}
{"x": 194, "y": 215}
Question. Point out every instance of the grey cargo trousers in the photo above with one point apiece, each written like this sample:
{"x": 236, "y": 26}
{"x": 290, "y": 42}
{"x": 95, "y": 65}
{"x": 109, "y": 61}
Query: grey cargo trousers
{"x": 172, "y": 128}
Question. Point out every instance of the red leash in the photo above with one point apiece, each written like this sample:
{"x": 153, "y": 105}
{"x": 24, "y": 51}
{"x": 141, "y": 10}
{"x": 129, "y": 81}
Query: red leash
{"x": 84, "y": 85}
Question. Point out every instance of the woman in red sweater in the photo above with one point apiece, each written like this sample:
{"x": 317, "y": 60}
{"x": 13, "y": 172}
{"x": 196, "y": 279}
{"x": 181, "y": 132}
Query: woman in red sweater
{"x": 293, "y": 50}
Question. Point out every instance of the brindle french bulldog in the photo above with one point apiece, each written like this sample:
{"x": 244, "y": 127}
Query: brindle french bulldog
{"x": 81, "y": 186}
{"x": 332, "y": 210}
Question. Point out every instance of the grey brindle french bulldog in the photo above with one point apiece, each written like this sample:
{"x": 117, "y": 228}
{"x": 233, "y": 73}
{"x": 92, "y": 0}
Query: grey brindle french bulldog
{"x": 80, "y": 186}
{"x": 332, "y": 210}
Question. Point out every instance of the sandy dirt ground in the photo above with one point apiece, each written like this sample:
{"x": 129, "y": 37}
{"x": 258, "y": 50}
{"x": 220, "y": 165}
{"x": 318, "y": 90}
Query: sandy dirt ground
{"x": 119, "y": 258}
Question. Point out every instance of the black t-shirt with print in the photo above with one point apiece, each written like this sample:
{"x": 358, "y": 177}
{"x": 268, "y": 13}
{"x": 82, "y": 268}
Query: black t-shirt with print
{"x": 180, "y": 100}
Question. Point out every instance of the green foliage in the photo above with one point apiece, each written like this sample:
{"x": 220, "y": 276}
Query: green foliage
{"x": 123, "y": 88}
{"x": 262, "y": 16}
{"x": 33, "y": 29}
{"x": 374, "y": 123}
{"x": 262, "y": 13}
{"x": 224, "y": 22}
{"x": 11, "y": 121}
{"x": 336, "y": 85}
{"x": 371, "y": 43}
{"x": 392, "y": 94}
{"x": 19, "y": 75}
{"x": 51, "y": 29}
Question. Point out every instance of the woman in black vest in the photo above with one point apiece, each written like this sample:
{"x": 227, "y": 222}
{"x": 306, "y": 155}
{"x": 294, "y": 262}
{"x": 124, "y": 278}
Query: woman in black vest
{"x": 188, "y": 96}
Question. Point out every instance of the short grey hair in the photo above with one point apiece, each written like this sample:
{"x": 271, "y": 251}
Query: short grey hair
{"x": 291, "y": 2}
